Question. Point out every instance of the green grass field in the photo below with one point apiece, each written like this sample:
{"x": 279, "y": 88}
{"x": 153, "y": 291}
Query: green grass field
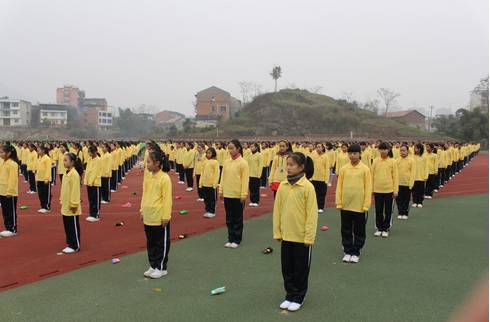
{"x": 421, "y": 273}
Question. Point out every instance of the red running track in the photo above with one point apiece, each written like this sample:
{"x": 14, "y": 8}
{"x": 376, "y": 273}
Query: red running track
{"x": 32, "y": 254}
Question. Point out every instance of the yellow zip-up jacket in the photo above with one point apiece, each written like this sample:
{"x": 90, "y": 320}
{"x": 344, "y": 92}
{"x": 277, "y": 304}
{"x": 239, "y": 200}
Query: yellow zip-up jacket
{"x": 266, "y": 157}
{"x": 156, "y": 203}
{"x": 440, "y": 159}
{"x": 366, "y": 157}
{"x": 199, "y": 164}
{"x": 278, "y": 168}
{"x": 179, "y": 154}
{"x": 86, "y": 157}
{"x": 188, "y": 159}
{"x": 406, "y": 171}
{"x": 210, "y": 174}
{"x": 9, "y": 178}
{"x": 354, "y": 188}
{"x": 54, "y": 155}
{"x": 106, "y": 165}
{"x": 234, "y": 178}
{"x": 342, "y": 159}
{"x": 115, "y": 158}
{"x": 255, "y": 164}
{"x": 171, "y": 155}
{"x": 70, "y": 193}
{"x": 61, "y": 164}
{"x": 431, "y": 163}
{"x": 43, "y": 172}
{"x": 321, "y": 164}
{"x": 31, "y": 161}
{"x": 331, "y": 157}
{"x": 221, "y": 156}
{"x": 421, "y": 168}
{"x": 93, "y": 172}
{"x": 396, "y": 152}
{"x": 295, "y": 215}
{"x": 385, "y": 175}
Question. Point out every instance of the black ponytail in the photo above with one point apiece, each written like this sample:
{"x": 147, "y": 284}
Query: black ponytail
{"x": 7, "y": 148}
{"x": 77, "y": 163}
{"x": 305, "y": 161}
{"x": 159, "y": 156}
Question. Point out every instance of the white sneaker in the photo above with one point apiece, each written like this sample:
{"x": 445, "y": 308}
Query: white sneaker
{"x": 354, "y": 259}
{"x": 157, "y": 274}
{"x": 427, "y": 197}
{"x": 251, "y": 204}
{"x": 255, "y": 205}
{"x": 405, "y": 217}
{"x": 320, "y": 211}
{"x": 414, "y": 205}
{"x": 234, "y": 245}
{"x": 436, "y": 190}
{"x": 346, "y": 258}
{"x": 92, "y": 219}
{"x": 293, "y": 307}
{"x": 228, "y": 245}
{"x": 68, "y": 250}
{"x": 377, "y": 233}
{"x": 7, "y": 233}
{"x": 209, "y": 215}
{"x": 400, "y": 217}
{"x": 104, "y": 202}
{"x": 113, "y": 191}
{"x": 420, "y": 206}
{"x": 181, "y": 182}
{"x": 148, "y": 272}
{"x": 441, "y": 186}
{"x": 189, "y": 189}
{"x": 385, "y": 234}
{"x": 200, "y": 200}
{"x": 284, "y": 305}
{"x": 43, "y": 211}
{"x": 329, "y": 184}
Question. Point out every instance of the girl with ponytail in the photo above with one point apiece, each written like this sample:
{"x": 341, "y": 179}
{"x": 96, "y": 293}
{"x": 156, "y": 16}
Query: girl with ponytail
{"x": 9, "y": 182}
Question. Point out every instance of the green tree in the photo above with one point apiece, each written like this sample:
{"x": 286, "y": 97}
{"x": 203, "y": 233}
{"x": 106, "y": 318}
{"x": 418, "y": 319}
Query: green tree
{"x": 464, "y": 125}
{"x": 276, "y": 74}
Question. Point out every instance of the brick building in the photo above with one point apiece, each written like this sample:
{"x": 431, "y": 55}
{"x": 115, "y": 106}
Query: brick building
{"x": 411, "y": 117}
{"x": 69, "y": 95}
{"x": 213, "y": 103}
{"x": 165, "y": 119}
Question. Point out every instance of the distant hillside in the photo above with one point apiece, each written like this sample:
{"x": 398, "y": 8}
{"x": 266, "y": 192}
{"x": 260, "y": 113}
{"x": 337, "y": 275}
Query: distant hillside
{"x": 299, "y": 112}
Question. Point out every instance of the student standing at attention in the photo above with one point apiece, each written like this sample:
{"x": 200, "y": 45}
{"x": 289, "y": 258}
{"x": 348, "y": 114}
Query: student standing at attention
{"x": 43, "y": 179}
{"x": 9, "y": 188}
{"x": 255, "y": 164}
{"x": 209, "y": 182}
{"x": 385, "y": 188}
{"x": 198, "y": 167}
{"x": 295, "y": 220}
{"x": 406, "y": 177}
{"x": 278, "y": 168}
{"x": 421, "y": 175}
{"x": 70, "y": 202}
{"x": 92, "y": 180}
{"x": 156, "y": 210}
{"x": 321, "y": 174}
{"x": 234, "y": 188}
{"x": 353, "y": 199}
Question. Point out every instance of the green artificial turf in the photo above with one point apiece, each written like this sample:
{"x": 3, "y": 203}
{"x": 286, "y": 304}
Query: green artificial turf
{"x": 421, "y": 273}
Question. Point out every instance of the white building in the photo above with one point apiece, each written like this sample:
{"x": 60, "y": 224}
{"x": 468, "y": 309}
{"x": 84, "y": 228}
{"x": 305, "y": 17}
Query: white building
{"x": 14, "y": 112}
{"x": 53, "y": 115}
{"x": 104, "y": 120}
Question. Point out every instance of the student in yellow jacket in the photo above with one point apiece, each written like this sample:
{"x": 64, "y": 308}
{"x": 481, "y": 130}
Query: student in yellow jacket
{"x": 43, "y": 179}
{"x": 9, "y": 189}
{"x": 353, "y": 199}
{"x": 255, "y": 164}
{"x": 266, "y": 158}
{"x": 70, "y": 202}
{"x": 294, "y": 222}
{"x": 209, "y": 182}
{"x": 156, "y": 212}
{"x": 188, "y": 160}
{"x": 234, "y": 188}
{"x": 432, "y": 169}
{"x": 385, "y": 187}
{"x": 31, "y": 168}
{"x": 321, "y": 174}
{"x": 441, "y": 167}
{"x": 61, "y": 167}
{"x": 53, "y": 155}
{"x": 406, "y": 178}
{"x": 92, "y": 179}
{"x": 279, "y": 162}
{"x": 114, "y": 166}
{"x": 342, "y": 158}
{"x": 179, "y": 160}
{"x": 200, "y": 158}
{"x": 332, "y": 156}
{"x": 106, "y": 173}
{"x": 421, "y": 175}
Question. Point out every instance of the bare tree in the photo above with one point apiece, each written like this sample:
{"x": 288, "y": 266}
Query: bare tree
{"x": 257, "y": 90}
{"x": 388, "y": 97}
{"x": 276, "y": 74}
{"x": 348, "y": 97}
{"x": 246, "y": 88}
{"x": 372, "y": 105}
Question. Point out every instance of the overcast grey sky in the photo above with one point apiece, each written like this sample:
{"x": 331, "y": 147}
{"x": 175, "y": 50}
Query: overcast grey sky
{"x": 162, "y": 52}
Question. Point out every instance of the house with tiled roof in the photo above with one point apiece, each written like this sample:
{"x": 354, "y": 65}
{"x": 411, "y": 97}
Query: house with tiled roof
{"x": 411, "y": 117}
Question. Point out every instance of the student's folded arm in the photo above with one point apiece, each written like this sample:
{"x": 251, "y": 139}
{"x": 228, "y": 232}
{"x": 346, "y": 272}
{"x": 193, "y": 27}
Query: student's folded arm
{"x": 75, "y": 194}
